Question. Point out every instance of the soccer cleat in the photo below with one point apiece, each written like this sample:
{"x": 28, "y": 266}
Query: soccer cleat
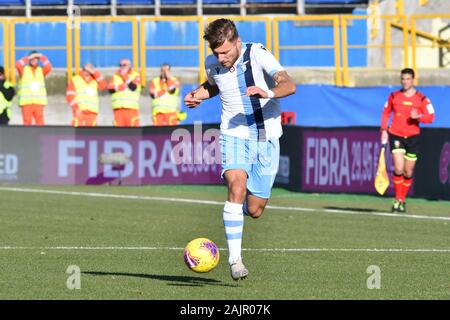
{"x": 402, "y": 207}
{"x": 238, "y": 270}
{"x": 395, "y": 206}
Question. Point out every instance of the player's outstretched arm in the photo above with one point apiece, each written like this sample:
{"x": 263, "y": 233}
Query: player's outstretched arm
{"x": 285, "y": 86}
{"x": 195, "y": 97}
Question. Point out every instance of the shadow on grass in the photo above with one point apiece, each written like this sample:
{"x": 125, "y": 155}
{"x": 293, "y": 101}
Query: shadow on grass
{"x": 171, "y": 280}
{"x": 354, "y": 209}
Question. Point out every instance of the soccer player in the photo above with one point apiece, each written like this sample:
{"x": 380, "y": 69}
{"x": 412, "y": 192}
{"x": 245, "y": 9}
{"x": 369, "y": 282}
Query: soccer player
{"x": 250, "y": 125}
{"x": 410, "y": 108}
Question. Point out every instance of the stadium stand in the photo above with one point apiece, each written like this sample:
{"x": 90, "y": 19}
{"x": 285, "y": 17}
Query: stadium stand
{"x": 178, "y": 2}
{"x": 221, "y": 1}
{"x": 92, "y": 2}
{"x": 183, "y": 7}
{"x": 48, "y": 2}
{"x": 132, "y": 2}
{"x": 12, "y": 2}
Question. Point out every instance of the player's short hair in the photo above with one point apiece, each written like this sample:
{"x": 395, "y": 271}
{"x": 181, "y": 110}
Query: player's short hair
{"x": 164, "y": 64}
{"x": 220, "y": 30}
{"x": 408, "y": 71}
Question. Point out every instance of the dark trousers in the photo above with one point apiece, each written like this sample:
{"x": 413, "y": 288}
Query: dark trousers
{"x": 4, "y": 120}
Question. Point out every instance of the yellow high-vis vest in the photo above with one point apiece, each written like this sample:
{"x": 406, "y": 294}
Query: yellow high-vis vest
{"x": 5, "y": 104}
{"x": 167, "y": 103}
{"x": 126, "y": 99}
{"x": 86, "y": 94}
{"x": 32, "y": 87}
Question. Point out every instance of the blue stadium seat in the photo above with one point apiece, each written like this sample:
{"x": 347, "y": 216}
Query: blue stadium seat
{"x": 48, "y": 2}
{"x": 91, "y": 2}
{"x": 131, "y": 2}
{"x": 12, "y": 2}
{"x": 221, "y": 1}
{"x": 178, "y": 1}
{"x": 334, "y": 1}
{"x": 271, "y": 1}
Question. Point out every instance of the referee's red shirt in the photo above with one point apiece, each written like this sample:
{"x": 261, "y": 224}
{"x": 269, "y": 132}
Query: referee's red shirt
{"x": 402, "y": 124}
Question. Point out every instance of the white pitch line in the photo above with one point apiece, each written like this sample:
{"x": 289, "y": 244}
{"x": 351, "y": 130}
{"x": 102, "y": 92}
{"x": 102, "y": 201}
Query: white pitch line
{"x": 401, "y": 250}
{"x": 220, "y": 203}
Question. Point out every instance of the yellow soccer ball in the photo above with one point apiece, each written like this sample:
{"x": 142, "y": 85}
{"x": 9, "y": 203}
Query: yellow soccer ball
{"x": 201, "y": 255}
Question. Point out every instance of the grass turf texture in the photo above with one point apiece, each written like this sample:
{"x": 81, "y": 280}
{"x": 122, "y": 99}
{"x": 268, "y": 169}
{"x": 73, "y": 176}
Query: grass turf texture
{"x": 39, "y": 222}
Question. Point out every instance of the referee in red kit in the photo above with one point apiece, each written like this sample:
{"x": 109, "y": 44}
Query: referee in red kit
{"x": 410, "y": 108}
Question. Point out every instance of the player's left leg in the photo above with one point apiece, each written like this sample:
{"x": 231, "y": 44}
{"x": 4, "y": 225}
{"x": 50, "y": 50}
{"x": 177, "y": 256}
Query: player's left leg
{"x": 408, "y": 177}
{"x": 254, "y": 206}
{"x": 410, "y": 159}
{"x": 262, "y": 177}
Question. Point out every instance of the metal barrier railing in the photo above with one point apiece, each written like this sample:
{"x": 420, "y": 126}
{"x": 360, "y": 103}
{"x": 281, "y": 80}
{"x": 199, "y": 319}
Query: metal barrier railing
{"x": 143, "y": 47}
{"x": 5, "y": 47}
{"x": 386, "y": 45}
{"x": 338, "y": 33}
{"x": 432, "y": 41}
{"x": 133, "y": 46}
{"x": 335, "y": 46}
{"x": 13, "y": 47}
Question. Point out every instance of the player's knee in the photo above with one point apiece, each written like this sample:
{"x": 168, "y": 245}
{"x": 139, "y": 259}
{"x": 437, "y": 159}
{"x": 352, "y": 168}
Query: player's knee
{"x": 408, "y": 174}
{"x": 255, "y": 211}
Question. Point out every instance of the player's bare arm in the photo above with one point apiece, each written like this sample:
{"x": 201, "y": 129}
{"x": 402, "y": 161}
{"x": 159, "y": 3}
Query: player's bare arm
{"x": 285, "y": 86}
{"x": 195, "y": 97}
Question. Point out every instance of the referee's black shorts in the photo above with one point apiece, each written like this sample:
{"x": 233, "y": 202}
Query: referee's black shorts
{"x": 407, "y": 145}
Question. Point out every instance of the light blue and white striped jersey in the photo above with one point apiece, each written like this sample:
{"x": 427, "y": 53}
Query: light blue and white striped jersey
{"x": 242, "y": 116}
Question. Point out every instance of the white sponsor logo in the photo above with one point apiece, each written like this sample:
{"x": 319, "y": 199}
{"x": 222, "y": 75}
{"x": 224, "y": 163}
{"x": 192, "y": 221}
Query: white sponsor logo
{"x": 9, "y": 166}
{"x": 336, "y": 162}
{"x": 150, "y": 160}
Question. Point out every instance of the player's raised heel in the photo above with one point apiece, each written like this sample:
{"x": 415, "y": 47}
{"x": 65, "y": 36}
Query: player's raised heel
{"x": 238, "y": 270}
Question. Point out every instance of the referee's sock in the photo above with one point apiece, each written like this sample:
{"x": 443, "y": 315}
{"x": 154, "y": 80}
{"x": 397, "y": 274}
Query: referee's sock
{"x": 398, "y": 186}
{"x": 407, "y": 182}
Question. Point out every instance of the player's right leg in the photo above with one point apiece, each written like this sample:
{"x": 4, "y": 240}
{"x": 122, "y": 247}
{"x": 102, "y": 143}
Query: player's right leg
{"x": 398, "y": 157}
{"x": 235, "y": 169}
{"x": 233, "y": 220}
{"x": 397, "y": 178}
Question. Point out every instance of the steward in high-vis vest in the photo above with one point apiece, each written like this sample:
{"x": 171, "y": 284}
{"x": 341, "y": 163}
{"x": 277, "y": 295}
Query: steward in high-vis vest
{"x": 125, "y": 88}
{"x": 165, "y": 93}
{"x": 82, "y": 96}
{"x": 6, "y": 98}
{"x": 32, "y": 92}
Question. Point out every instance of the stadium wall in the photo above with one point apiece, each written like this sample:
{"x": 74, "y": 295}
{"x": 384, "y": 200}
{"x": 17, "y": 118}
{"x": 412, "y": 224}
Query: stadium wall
{"x": 331, "y": 106}
{"x": 312, "y": 159}
{"x": 314, "y": 105}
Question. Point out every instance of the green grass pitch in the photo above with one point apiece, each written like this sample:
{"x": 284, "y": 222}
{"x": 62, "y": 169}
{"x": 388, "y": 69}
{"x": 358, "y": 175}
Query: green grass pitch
{"x": 128, "y": 245}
